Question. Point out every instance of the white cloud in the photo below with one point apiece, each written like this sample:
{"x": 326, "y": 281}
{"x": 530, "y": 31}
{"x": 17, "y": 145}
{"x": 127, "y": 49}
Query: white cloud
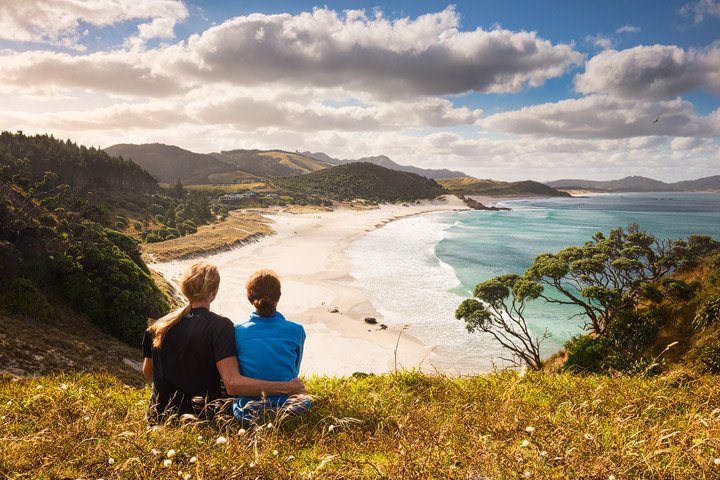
{"x": 606, "y": 117}
{"x": 628, "y": 29}
{"x": 61, "y": 22}
{"x": 701, "y": 9}
{"x": 655, "y": 71}
{"x": 600, "y": 41}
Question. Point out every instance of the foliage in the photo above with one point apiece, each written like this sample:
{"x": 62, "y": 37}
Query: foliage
{"x": 56, "y": 235}
{"x": 497, "y": 188}
{"x": 498, "y": 311}
{"x": 587, "y": 354}
{"x": 707, "y": 314}
{"x": 403, "y": 425}
{"x": 24, "y": 298}
{"x": 710, "y": 357}
{"x": 362, "y": 180}
{"x": 607, "y": 278}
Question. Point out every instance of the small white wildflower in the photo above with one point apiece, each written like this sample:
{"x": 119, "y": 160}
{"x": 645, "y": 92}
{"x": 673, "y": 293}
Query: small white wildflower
{"x": 543, "y": 453}
{"x": 331, "y": 428}
{"x": 180, "y": 473}
{"x": 9, "y": 403}
{"x": 167, "y": 462}
{"x": 39, "y": 387}
{"x": 588, "y": 436}
{"x": 87, "y": 419}
{"x": 275, "y": 452}
{"x": 92, "y": 395}
{"x": 193, "y": 459}
{"x": 612, "y": 477}
{"x": 155, "y": 451}
{"x": 63, "y": 386}
{"x": 241, "y": 431}
{"x": 252, "y": 464}
{"x": 269, "y": 425}
{"x": 529, "y": 429}
{"x": 187, "y": 476}
{"x": 2, "y": 418}
{"x": 170, "y": 453}
{"x": 221, "y": 440}
{"x": 716, "y": 461}
{"x": 199, "y": 437}
{"x": 525, "y": 443}
{"x": 111, "y": 460}
{"x": 527, "y": 474}
{"x": 290, "y": 457}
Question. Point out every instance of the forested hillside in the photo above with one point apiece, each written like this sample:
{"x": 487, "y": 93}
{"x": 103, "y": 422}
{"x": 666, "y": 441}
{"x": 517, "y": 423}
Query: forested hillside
{"x": 362, "y": 180}
{"x": 58, "y": 243}
{"x": 497, "y": 188}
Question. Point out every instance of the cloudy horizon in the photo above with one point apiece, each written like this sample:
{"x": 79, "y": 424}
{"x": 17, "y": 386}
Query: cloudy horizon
{"x": 497, "y": 94}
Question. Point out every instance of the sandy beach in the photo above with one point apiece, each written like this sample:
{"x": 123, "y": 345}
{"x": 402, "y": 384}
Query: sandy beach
{"x": 308, "y": 252}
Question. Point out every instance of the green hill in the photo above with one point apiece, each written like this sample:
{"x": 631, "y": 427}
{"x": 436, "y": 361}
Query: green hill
{"x": 364, "y": 181}
{"x": 496, "y": 188}
{"x": 640, "y": 184}
{"x": 170, "y": 164}
{"x": 271, "y": 163}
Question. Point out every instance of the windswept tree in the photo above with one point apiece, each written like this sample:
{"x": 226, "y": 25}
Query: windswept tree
{"x": 604, "y": 277}
{"x": 498, "y": 309}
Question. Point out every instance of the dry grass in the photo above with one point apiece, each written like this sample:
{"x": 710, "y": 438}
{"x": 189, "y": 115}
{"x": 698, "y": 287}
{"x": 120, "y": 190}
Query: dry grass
{"x": 239, "y": 228}
{"x": 69, "y": 342}
{"x": 404, "y": 425}
{"x": 303, "y": 209}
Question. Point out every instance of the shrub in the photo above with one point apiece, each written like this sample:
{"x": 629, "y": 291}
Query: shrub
{"x": 707, "y": 314}
{"x": 677, "y": 289}
{"x": 587, "y": 354}
{"x": 24, "y": 298}
{"x": 650, "y": 292}
{"x": 710, "y": 357}
{"x": 153, "y": 237}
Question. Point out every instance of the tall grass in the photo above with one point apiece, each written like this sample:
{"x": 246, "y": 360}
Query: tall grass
{"x": 402, "y": 425}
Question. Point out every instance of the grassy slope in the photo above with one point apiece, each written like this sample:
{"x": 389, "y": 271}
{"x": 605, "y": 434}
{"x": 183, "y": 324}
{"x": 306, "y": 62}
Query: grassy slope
{"x": 475, "y": 186}
{"x": 405, "y": 425}
{"x": 271, "y": 163}
{"x": 237, "y": 229}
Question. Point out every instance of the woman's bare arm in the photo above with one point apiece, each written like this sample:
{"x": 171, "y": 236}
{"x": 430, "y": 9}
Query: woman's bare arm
{"x": 148, "y": 368}
{"x": 236, "y": 384}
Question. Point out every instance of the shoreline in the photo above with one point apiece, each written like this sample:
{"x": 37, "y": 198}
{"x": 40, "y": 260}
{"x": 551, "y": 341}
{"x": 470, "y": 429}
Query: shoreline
{"x": 309, "y": 252}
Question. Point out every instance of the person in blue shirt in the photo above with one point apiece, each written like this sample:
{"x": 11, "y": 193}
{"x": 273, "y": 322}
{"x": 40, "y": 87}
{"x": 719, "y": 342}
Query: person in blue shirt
{"x": 269, "y": 347}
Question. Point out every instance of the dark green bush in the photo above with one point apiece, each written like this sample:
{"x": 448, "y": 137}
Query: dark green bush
{"x": 587, "y": 354}
{"x": 24, "y": 298}
{"x": 707, "y": 314}
{"x": 710, "y": 357}
{"x": 677, "y": 289}
{"x": 650, "y": 292}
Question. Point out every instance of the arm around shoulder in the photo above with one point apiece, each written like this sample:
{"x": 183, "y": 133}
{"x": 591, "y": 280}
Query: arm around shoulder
{"x": 236, "y": 384}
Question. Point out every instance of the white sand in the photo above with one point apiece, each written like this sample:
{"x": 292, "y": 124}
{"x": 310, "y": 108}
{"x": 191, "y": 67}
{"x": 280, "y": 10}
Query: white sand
{"x": 309, "y": 254}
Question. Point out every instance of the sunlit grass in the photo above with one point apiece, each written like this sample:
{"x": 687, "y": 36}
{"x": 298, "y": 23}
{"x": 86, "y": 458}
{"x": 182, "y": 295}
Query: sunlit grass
{"x": 404, "y": 425}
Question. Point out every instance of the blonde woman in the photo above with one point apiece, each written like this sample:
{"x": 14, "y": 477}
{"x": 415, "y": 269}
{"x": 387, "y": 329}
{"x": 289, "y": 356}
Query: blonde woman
{"x": 190, "y": 350}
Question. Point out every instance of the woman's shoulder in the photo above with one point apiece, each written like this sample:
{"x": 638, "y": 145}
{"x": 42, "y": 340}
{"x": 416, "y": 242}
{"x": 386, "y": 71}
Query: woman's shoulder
{"x": 214, "y": 317}
{"x": 292, "y": 325}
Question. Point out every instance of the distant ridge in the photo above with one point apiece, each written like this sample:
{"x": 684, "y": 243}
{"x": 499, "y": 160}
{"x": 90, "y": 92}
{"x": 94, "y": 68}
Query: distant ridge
{"x": 362, "y": 181}
{"x": 168, "y": 163}
{"x": 496, "y": 188}
{"x": 384, "y": 161}
{"x": 271, "y": 163}
{"x": 639, "y": 184}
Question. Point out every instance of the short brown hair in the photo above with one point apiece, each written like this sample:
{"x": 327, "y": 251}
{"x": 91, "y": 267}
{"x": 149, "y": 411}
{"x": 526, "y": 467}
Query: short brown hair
{"x": 263, "y": 291}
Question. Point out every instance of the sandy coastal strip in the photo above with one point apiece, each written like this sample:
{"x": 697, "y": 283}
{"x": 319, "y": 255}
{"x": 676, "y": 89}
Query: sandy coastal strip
{"x": 309, "y": 254}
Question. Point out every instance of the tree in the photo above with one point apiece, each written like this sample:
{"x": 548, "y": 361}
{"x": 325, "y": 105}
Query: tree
{"x": 498, "y": 309}
{"x": 606, "y": 277}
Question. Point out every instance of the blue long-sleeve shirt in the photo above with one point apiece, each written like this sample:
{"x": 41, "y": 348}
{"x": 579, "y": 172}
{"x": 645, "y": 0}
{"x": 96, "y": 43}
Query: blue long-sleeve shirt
{"x": 268, "y": 348}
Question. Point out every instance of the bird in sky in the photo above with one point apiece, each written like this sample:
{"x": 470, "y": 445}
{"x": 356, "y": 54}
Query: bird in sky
{"x": 657, "y": 119}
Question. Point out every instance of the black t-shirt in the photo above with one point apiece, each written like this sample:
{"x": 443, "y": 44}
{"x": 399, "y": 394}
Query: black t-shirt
{"x": 184, "y": 366}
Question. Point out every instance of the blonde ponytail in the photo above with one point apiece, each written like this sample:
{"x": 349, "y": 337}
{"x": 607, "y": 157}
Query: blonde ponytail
{"x": 198, "y": 283}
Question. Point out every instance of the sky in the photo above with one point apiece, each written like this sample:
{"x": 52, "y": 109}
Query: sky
{"x": 503, "y": 89}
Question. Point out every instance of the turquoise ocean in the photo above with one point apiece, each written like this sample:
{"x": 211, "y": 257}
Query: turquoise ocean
{"x": 417, "y": 270}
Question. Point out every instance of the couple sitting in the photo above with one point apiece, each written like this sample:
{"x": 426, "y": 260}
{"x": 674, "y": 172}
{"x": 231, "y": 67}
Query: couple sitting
{"x": 188, "y": 352}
